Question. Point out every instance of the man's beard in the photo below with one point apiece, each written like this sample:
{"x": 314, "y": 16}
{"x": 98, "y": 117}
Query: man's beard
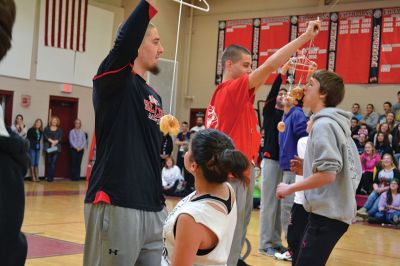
{"x": 155, "y": 70}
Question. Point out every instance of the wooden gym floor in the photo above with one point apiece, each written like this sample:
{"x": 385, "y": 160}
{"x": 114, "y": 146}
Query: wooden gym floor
{"x": 55, "y": 230}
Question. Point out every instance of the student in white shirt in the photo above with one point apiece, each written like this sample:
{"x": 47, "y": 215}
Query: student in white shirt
{"x": 199, "y": 230}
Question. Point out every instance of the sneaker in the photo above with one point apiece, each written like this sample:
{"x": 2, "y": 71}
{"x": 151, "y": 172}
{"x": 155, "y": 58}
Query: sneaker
{"x": 267, "y": 251}
{"x": 283, "y": 256}
{"x": 362, "y": 213}
{"x": 242, "y": 263}
{"x": 281, "y": 249}
{"x": 358, "y": 219}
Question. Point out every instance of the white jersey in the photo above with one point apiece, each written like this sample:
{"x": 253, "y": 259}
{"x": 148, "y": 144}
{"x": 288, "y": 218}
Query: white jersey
{"x": 222, "y": 224}
{"x": 301, "y": 150}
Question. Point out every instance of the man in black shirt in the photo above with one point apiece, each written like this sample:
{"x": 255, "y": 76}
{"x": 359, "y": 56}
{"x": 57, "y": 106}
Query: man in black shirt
{"x": 125, "y": 208}
{"x": 270, "y": 209}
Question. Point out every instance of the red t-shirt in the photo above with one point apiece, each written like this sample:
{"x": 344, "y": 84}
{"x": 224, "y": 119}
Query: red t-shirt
{"x": 231, "y": 111}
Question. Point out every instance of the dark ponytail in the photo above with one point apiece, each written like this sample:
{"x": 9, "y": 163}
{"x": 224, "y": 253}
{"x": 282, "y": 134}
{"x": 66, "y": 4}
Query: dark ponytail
{"x": 215, "y": 153}
{"x": 7, "y": 18}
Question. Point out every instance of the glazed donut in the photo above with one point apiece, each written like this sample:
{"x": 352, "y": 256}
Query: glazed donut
{"x": 169, "y": 124}
{"x": 297, "y": 93}
{"x": 281, "y": 127}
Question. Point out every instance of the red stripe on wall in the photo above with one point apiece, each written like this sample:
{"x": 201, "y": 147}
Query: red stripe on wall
{"x": 46, "y": 23}
{"x": 78, "y": 26}
{"x": 84, "y": 26}
{"x": 53, "y": 19}
{"x": 59, "y": 24}
{"x": 71, "y": 41}
{"x": 66, "y": 24}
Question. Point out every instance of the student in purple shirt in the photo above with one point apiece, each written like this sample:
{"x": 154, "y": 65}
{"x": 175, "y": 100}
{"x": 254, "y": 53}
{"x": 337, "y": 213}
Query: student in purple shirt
{"x": 77, "y": 140}
{"x": 389, "y": 204}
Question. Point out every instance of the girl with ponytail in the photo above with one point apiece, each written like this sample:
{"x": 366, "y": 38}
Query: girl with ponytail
{"x": 200, "y": 229}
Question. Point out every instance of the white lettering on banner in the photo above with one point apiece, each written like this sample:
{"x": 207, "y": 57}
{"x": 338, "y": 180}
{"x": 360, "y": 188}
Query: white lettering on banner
{"x": 387, "y": 48}
{"x": 385, "y": 68}
{"x": 375, "y": 46}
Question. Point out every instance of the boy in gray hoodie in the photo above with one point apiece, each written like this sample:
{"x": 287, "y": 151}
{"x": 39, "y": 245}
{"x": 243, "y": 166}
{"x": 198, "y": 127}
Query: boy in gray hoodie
{"x": 331, "y": 170}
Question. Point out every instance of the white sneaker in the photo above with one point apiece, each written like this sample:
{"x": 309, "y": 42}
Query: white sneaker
{"x": 283, "y": 256}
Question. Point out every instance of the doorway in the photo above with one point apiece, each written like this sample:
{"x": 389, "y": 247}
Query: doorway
{"x": 66, "y": 109}
{"x": 194, "y": 113}
{"x": 6, "y": 102}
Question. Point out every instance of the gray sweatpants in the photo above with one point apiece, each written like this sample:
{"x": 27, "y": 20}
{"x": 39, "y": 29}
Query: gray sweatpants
{"x": 270, "y": 208}
{"x": 117, "y": 236}
{"x": 244, "y": 204}
{"x": 287, "y": 202}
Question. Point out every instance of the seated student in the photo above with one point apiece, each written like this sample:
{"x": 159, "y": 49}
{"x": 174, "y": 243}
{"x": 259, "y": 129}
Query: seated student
{"x": 396, "y": 143}
{"x": 387, "y": 108}
{"x": 389, "y": 206}
{"x": 382, "y": 145}
{"x": 354, "y": 127}
{"x": 172, "y": 179}
{"x": 199, "y": 230}
{"x": 371, "y": 118}
{"x": 391, "y": 122}
{"x": 369, "y": 160}
{"x": 362, "y": 140}
{"x": 363, "y": 129}
{"x": 384, "y": 173}
{"x": 355, "y": 110}
{"x": 383, "y": 128}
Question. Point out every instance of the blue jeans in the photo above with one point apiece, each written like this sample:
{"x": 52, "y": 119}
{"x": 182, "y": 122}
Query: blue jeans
{"x": 35, "y": 155}
{"x": 390, "y": 215}
{"x": 372, "y": 203}
{"x": 51, "y": 166}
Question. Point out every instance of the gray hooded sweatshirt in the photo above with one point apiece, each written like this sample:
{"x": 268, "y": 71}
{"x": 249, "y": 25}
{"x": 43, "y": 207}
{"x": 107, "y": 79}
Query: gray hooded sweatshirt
{"x": 330, "y": 148}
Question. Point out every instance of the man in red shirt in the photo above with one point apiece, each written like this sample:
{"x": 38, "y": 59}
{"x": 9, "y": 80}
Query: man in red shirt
{"x": 231, "y": 111}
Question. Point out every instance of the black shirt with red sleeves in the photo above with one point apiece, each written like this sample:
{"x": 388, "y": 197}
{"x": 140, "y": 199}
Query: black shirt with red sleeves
{"x": 127, "y": 171}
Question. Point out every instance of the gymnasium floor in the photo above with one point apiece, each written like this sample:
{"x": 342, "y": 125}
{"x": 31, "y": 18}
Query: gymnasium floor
{"x": 55, "y": 230}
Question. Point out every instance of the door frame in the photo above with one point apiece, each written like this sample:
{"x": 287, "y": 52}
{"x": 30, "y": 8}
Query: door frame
{"x": 9, "y": 106}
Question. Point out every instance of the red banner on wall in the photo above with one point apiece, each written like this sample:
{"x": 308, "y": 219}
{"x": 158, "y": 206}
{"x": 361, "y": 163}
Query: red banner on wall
{"x": 274, "y": 33}
{"x": 354, "y": 46}
{"x": 317, "y": 52}
{"x": 239, "y": 32}
{"x": 389, "y": 70}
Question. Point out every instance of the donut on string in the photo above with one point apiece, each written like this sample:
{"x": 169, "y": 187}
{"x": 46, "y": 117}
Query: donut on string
{"x": 169, "y": 124}
{"x": 302, "y": 64}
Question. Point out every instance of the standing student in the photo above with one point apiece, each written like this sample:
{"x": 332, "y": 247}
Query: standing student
{"x": 231, "y": 111}
{"x": 271, "y": 173}
{"x": 295, "y": 128}
{"x": 124, "y": 205}
{"x": 332, "y": 170}
{"x": 34, "y": 136}
{"x": 199, "y": 230}
{"x": 298, "y": 215}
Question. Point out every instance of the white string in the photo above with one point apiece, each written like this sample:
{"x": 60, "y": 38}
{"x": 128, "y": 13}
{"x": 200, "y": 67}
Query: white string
{"x": 176, "y": 56}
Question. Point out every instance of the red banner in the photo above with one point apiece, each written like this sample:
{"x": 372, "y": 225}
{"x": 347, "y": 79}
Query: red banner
{"x": 389, "y": 70}
{"x": 274, "y": 33}
{"x": 239, "y": 32}
{"x": 354, "y": 46}
{"x": 317, "y": 52}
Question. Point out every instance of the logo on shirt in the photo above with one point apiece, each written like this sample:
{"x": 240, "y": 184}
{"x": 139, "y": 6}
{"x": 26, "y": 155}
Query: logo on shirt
{"x": 153, "y": 107}
{"x": 111, "y": 251}
{"x": 212, "y": 118}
